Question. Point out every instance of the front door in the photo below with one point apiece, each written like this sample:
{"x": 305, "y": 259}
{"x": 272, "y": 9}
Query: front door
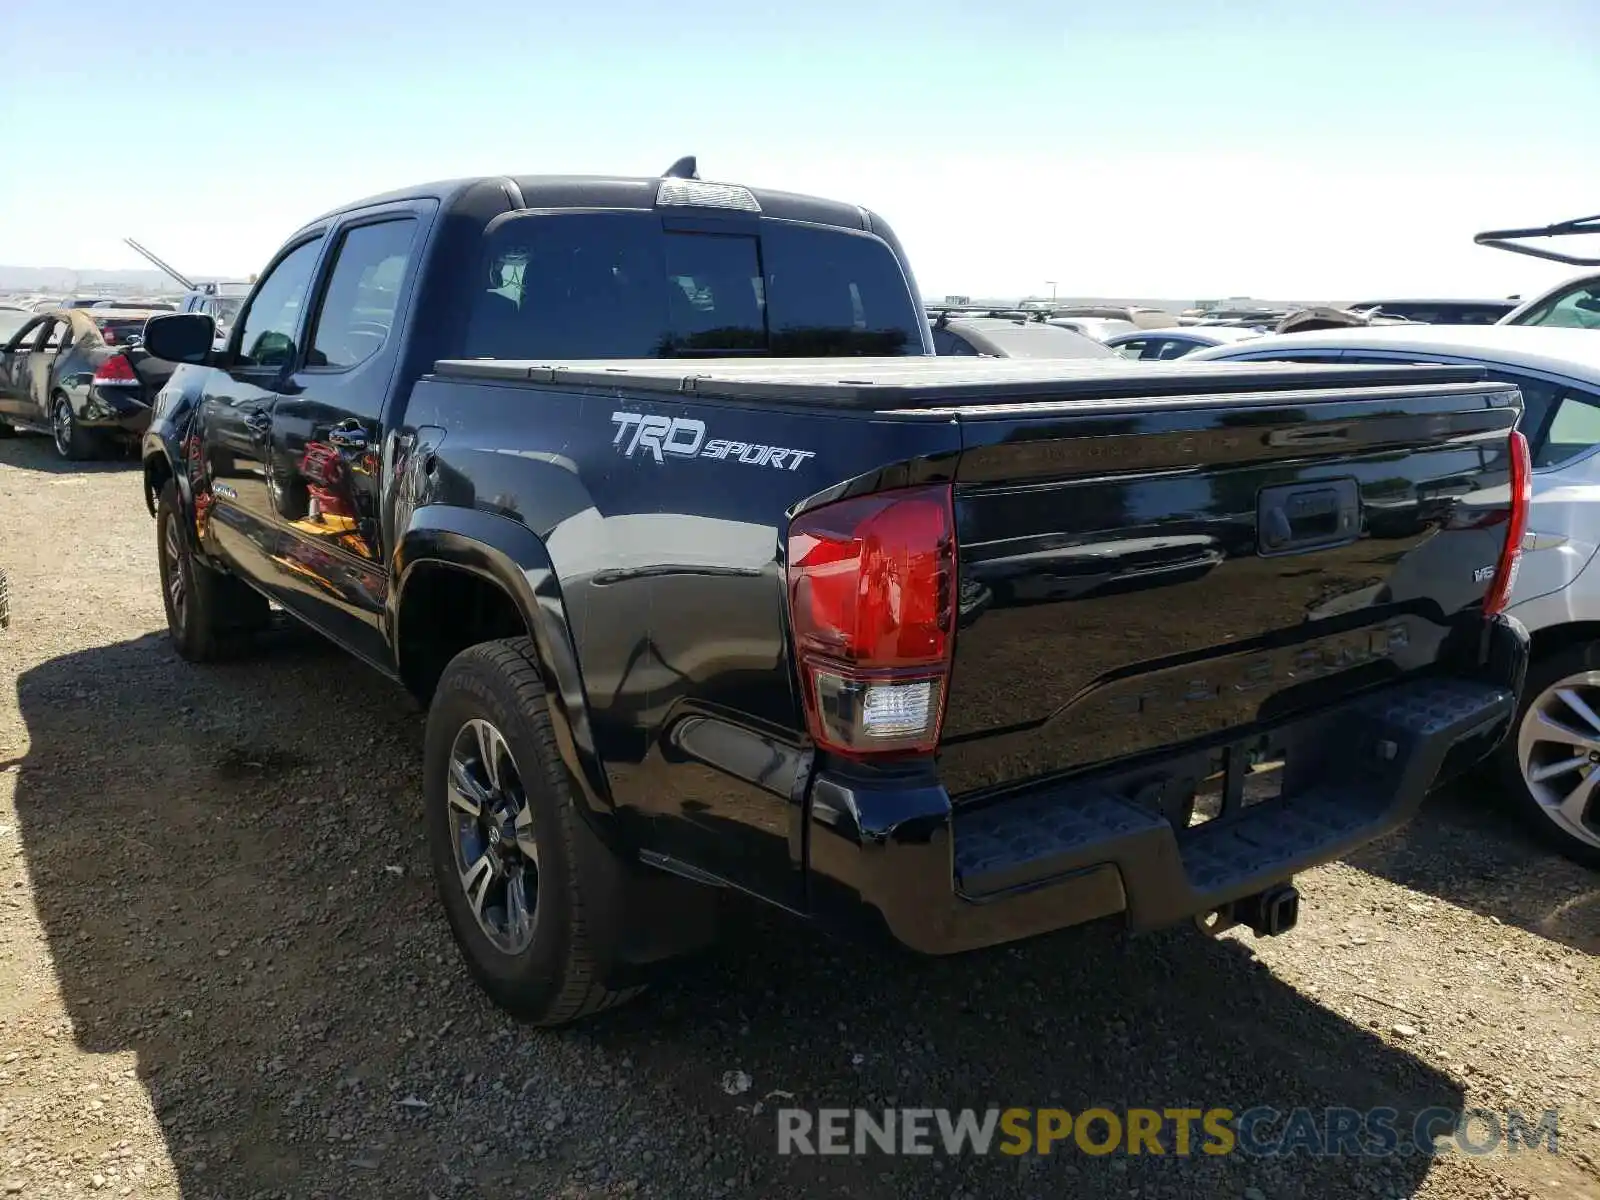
{"x": 235, "y": 418}
{"x": 327, "y": 435}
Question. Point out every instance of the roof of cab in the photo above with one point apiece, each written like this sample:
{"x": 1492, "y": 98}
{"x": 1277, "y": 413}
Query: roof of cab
{"x": 606, "y": 191}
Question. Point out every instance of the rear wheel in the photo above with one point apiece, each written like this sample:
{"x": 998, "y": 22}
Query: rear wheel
{"x": 1551, "y": 763}
{"x": 208, "y": 613}
{"x": 73, "y": 442}
{"x": 504, "y": 838}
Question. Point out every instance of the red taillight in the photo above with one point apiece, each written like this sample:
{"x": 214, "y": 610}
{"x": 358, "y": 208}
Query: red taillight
{"x": 1505, "y": 571}
{"x": 108, "y": 335}
{"x": 872, "y": 605}
{"x": 116, "y": 369}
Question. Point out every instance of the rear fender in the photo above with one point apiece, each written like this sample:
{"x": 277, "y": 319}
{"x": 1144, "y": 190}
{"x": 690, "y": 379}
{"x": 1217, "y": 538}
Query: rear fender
{"x": 514, "y": 557}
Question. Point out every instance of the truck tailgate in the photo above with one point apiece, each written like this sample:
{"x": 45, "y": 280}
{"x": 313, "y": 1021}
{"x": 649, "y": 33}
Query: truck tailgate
{"x": 1144, "y": 573}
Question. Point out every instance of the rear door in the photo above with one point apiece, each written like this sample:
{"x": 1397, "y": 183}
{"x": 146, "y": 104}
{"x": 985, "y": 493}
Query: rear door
{"x": 327, "y": 431}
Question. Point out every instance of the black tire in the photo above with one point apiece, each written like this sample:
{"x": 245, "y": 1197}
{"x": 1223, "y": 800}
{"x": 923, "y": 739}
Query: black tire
{"x": 72, "y": 441}
{"x": 211, "y": 615}
{"x": 7, "y": 431}
{"x": 1544, "y": 673}
{"x": 560, "y": 976}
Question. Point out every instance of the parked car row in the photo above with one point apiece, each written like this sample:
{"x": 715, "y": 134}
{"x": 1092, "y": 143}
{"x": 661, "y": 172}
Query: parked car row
{"x": 1138, "y": 334}
{"x": 81, "y": 376}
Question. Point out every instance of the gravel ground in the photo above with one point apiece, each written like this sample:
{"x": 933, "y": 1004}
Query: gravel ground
{"x": 223, "y": 973}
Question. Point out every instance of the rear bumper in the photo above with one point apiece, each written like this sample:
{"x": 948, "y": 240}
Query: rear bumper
{"x": 115, "y": 408}
{"x": 941, "y": 880}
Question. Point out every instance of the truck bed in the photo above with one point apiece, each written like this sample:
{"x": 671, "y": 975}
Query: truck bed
{"x": 932, "y": 384}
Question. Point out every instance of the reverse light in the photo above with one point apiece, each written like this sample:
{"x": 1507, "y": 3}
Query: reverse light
{"x": 116, "y": 370}
{"x": 1505, "y": 572}
{"x": 871, "y": 602}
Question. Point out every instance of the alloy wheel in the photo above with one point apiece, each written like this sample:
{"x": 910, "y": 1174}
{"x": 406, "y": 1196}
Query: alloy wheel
{"x": 177, "y": 589}
{"x": 61, "y": 426}
{"x": 1558, "y": 749}
{"x": 491, "y": 831}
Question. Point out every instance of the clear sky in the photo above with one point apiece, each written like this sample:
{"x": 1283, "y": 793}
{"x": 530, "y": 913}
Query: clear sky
{"x": 1179, "y": 148}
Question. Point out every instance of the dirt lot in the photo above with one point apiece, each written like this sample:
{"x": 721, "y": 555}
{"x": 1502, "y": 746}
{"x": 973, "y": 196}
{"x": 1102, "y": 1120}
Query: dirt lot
{"x": 222, "y": 972}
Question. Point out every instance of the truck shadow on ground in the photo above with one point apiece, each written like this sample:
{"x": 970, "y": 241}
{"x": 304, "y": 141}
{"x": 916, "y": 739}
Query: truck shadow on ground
{"x": 229, "y": 867}
{"x": 1468, "y": 848}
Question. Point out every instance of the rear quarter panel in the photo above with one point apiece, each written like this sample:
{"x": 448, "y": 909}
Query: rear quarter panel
{"x": 672, "y": 580}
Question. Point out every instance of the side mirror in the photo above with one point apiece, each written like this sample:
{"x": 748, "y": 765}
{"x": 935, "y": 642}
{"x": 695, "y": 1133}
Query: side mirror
{"x": 180, "y": 337}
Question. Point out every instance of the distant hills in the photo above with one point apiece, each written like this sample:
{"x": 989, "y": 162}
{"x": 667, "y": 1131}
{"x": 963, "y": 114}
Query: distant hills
{"x": 66, "y": 279}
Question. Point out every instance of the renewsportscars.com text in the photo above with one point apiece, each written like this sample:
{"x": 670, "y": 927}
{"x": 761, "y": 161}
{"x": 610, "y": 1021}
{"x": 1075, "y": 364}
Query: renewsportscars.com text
{"x": 1258, "y": 1132}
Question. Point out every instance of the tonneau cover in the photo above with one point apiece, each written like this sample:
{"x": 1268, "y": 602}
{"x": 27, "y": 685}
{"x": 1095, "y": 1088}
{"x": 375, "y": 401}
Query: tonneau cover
{"x": 931, "y": 381}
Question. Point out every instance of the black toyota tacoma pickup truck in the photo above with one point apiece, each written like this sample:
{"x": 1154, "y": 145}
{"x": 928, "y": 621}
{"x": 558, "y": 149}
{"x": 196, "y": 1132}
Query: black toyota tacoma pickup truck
{"x": 713, "y": 577}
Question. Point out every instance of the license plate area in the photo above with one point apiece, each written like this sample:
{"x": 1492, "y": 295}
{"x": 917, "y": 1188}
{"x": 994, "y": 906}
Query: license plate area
{"x": 1219, "y": 784}
{"x": 1245, "y": 776}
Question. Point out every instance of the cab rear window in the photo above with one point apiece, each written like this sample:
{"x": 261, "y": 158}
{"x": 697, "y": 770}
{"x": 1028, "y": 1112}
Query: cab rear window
{"x": 624, "y": 285}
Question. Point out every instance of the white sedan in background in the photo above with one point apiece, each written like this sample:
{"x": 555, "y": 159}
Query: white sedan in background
{"x": 1181, "y": 340}
{"x": 1551, "y": 764}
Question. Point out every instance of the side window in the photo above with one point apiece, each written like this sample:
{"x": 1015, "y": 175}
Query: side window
{"x": 1133, "y": 349}
{"x": 24, "y": 338}
{"x": 945, "y": 342}
{"x": 274, "y": 314}
{"x": 1572, "y": 429}
{"x": 960, "y": 345}
{"x": 1538, "y": 404}
{"x": 1578, "y": 308}
{"x": 1173, "y": 348}
{"x": 51, "y": 335}
{"x": 363, "y": 292}
{"x": 1538, "y": 400}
